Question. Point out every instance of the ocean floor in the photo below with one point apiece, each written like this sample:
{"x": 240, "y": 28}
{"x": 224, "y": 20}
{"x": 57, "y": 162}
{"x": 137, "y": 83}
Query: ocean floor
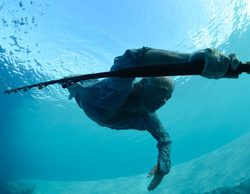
{"x": 225, "y": 170}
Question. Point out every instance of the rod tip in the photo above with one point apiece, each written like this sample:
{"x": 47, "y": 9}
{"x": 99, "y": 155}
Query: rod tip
{"x": 8, "y": 90}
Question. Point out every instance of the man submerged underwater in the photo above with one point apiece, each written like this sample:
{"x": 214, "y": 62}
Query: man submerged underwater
{"x": 123, "y": 103}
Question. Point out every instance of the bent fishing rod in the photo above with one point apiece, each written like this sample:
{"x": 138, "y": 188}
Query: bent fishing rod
{"x": 170, "y": 69}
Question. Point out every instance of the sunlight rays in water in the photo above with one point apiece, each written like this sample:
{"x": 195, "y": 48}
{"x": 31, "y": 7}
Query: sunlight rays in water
{"x": 225, "y": 17}
{"x": 71, "y": 54}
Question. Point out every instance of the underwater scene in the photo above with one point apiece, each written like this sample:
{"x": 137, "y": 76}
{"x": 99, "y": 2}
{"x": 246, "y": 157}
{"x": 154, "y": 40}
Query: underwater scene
{"x": 48, "y": 145}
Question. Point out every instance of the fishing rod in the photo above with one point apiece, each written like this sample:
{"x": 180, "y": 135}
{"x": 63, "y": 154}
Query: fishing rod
{"x": 170, "y": 69}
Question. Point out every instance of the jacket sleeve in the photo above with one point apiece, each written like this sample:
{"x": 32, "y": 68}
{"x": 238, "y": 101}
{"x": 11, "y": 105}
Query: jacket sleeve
{"x": 156, "y": 129}
{"x": 111, "y": 92}
{"x": 131, "y": 58}
{"x": 114, "y": 91}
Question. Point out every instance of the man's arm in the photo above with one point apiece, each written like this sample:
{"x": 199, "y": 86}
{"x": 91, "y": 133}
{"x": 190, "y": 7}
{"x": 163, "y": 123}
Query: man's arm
{"x": 159, "y": 56}
{"x": 155, "y": 128}
{"x": 216, "y": 63}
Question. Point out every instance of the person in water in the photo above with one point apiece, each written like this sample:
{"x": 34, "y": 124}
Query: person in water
{"x": 123, "y": 103}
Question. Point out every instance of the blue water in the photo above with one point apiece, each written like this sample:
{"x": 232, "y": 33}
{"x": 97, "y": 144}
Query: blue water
{"x": 43, "y": 135}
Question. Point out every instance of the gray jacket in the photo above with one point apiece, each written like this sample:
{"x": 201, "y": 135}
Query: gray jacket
{"x": 97, "y": 96}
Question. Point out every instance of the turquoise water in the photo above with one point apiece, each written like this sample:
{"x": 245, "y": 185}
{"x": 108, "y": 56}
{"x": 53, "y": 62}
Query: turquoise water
{"x": 47, "y": 137}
